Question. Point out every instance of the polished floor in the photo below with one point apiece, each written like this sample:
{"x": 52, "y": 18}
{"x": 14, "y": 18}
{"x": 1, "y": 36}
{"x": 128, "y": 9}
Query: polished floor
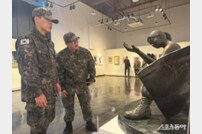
{"x": 108, "y": 95}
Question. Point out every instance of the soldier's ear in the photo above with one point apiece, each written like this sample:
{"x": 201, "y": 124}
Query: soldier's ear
{"x": 36, "y": 19}
{"x": 66, "y": 44}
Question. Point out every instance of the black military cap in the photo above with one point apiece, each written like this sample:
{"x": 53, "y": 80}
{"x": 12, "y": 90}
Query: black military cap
{"x": 70, "y": 37}
{"x": 44, "y": 12}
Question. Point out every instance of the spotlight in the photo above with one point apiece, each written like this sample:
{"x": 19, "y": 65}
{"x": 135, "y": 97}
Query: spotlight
{"x": 116, "y": 23}
{"x": 93, "y": 13}
{"x": 51, "y": 5}
{"x": 157, "y": 9}
{"x": 150, "y": 15}
{"x": 109, "y": 28}
{"x": 101, "y": 21}
{"x": 107, "y": 21}
{"x": 73, "y": 6}
{"x": 70, "y": 7}
{"x": 164, "y": 16}
{"x": 160, "y": 10}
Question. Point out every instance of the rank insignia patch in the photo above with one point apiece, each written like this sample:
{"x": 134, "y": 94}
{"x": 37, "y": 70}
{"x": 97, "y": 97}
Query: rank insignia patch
{"x": 24, "y": 41}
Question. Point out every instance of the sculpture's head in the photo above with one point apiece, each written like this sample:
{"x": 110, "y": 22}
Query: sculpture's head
{"x": 157, "y": 39}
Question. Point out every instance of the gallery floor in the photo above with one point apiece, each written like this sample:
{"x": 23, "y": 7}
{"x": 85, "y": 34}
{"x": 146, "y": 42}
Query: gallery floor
{"x": 108, "y": 95}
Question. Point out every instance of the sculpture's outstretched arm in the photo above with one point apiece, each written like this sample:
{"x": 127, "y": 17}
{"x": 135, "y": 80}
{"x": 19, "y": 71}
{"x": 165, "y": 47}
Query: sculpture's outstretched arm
{"x": 146, "y": 58}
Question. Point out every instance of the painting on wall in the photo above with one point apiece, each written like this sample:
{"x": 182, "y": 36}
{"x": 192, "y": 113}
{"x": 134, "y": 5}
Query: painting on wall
{"x": 98, "y": 60}
{"x": 95, "y": 59}
{"x": 136, "y": 57}
{"x": 116, "y": 60}
{"x": 124, "y": 59}
{"x": 110, "y": 60}
{"x": 14, "y": 61}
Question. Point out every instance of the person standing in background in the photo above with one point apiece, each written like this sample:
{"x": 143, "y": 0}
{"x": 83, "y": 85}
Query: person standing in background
{"x": 137, "y": 66}
{"x": 127, "y": 66}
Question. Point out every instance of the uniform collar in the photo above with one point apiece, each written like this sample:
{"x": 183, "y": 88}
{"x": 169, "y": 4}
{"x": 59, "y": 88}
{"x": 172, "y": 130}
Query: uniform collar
{"x": 38, "y": 34}
{"x": 76, "y": 52}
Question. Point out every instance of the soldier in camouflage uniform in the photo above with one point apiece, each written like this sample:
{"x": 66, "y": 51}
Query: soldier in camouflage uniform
{"x": 76, "y": 69}
{"x": 36, "y": 59}
{"x": 136, "y": 66}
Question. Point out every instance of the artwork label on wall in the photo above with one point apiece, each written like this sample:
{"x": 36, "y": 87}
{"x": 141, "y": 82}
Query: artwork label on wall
{"x": 116, "y": 60}
{"x": 110, "y": 60}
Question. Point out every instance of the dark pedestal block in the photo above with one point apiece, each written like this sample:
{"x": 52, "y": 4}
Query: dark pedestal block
{"x": 157, "y": 124}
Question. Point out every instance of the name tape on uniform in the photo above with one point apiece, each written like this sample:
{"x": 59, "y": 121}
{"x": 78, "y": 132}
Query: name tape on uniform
{"x": 24, "y": 41}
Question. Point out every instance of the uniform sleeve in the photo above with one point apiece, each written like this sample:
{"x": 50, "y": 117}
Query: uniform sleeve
{"x": 28, "y": 65}
{"x": 61, "y": 71}
{"x": 91, "y": 67}
{"x": 53, "y": 49}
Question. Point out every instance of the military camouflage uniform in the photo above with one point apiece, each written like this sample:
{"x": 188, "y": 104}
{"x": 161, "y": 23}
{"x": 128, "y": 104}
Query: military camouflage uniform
{"x": 137, "y": 65}
{"x": 36, "y": 59}
{"x": 74, "y": 69}
{"x": 127, "y": 66}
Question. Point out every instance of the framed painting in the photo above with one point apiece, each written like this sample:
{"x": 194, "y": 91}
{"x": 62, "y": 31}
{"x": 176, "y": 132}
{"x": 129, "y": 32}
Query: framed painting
{"x": 116, "y": 60}
{"x": 110, "y": 60}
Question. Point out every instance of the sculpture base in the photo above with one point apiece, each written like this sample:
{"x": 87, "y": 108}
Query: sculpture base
{"x": 157, "y": 124}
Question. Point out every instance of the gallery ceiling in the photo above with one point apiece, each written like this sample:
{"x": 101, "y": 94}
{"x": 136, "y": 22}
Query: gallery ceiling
{"x": 124, "y": 15}
{"x": 113, "y": 8}
{"x": 131, "y": 15}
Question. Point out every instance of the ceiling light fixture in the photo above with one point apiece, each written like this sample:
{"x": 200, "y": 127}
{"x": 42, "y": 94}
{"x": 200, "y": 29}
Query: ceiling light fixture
{"x": 101, "y": 21}
{"x": 157, "y": 9}
{"x": 116, "y": 23}
{"x": 93, "y": 13}
{"x": 133, "y": 23}
{"x": 135, "y": 0}
{"x": 151, "y": 14}
{"x": 73, "y": 6}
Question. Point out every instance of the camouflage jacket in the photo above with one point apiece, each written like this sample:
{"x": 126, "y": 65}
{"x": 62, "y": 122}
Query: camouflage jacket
{"x": 75, "y": 68}
{"x": 36, "y": 59}
{"x": 137, "y": 64}
{"x": 127, "y": 63}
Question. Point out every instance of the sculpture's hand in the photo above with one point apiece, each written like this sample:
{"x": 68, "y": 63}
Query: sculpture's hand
{"x": 133, "y": 49}
{"x": 126, "y": 46}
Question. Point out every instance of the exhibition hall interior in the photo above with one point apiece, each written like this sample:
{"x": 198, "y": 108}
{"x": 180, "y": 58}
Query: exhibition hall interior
{"x": 116, "y": 33}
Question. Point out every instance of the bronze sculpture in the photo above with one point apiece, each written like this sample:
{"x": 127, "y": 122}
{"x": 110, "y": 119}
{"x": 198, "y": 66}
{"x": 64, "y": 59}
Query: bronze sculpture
{"x": 157, "y": 39}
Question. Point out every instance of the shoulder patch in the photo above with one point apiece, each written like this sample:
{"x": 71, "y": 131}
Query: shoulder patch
{"x": 24, "y": 41}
